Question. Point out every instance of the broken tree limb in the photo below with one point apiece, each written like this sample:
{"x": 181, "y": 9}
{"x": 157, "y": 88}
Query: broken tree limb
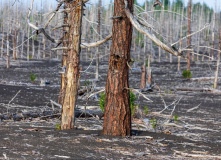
{"x": 95, "y": 44}
{"x": 145, "y": 31}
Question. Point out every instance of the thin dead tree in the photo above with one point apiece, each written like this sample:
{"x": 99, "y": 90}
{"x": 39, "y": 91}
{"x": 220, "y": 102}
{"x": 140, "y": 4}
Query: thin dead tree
{"x": 189, "y": 32}
{"x": 218, "y": 62}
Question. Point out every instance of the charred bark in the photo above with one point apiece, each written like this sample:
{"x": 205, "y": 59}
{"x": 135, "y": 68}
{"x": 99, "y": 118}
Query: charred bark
{"x": 117, "y": 117}
{"x": 72, "y": 73}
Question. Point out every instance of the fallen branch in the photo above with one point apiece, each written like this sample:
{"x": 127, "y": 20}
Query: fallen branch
{"x": 200, "y": 90}
{"x": 203, "y": 78}
{"x": 13, "y": 99}
{"x": 197, "y": 155}
{"x": 191, "y": 109}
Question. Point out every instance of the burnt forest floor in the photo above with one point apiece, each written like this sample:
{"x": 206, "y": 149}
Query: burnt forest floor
{"x": 194, "y": 133}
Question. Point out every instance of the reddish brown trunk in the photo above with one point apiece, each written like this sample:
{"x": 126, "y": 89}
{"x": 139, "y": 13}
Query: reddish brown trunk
{"x": 117, "y": 118}
{"x": 72, "y": 65}
{"x": 143, "y": 77}
{"x": 189, "y": 32}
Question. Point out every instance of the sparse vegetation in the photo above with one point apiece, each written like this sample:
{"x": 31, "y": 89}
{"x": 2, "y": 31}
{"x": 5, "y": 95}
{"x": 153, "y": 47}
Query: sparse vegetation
{"x": 187, "y": 74}
{"x": 153, "y": 123}
{"x": 175, "y": 117}
{"x": 146, "y": 110}
{"x": 102, "y": 101}
{"x": 33, "y": 77}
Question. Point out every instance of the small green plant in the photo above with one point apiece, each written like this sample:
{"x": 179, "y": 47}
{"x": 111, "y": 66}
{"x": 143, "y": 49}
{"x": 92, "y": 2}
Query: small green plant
{"x": 102, "y": 101}
{"x": 146, "y": 62}
{"x": 58, "y": 127}
{"x": 153, "y": 123}
{"x": 187, "y": 74}
{"x": 33, "y": 77}
{"x": 145, "y": 110}
{"x": 175, "y": 117}
{"x": 132, "y": 104}
{"x": 86, "y": 82}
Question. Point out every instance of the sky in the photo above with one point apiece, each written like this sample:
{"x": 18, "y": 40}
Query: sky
{"x": 210, "y": 3}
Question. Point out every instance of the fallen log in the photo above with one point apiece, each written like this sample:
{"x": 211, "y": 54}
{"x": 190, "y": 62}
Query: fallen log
{"x": 203, "y": 78}
{"x": 199, "y": 90}
{"x": 197, "y": 155}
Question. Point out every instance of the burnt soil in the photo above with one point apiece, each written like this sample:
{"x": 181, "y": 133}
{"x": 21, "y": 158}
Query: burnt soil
{"x": 195, "y": 132}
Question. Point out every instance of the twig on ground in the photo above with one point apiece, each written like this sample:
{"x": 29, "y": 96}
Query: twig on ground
{"x": 191, "y": 109}
{"x": 13, "y": 99}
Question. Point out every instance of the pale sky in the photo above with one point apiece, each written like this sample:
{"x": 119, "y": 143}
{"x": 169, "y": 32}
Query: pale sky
{"x": 210, "y": 3}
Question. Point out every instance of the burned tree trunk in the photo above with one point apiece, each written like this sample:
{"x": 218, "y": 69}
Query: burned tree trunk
{"x": 64, "y": 56}
{"x": 72, "y": 64}
{"x": 188, "y": 33}
{"x": 117, "y": 118}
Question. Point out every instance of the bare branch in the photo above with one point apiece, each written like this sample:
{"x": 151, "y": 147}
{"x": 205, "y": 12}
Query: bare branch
{"x": 54, "y": 13}
{"x": 95, "y": 44}
{"x": 207, "y": 25}
{"x": 143, "y": 30}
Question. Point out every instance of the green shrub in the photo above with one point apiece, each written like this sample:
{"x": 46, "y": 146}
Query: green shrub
{"x": 33, "y": 77}
{"x": 102, "y": 101}
{"x": 175, "y": 118}
{"x": 187, "y": 74}
{"x": 145, "y": 110}
{"x": 58, "y": 127}
{"x": 153, "y": 123}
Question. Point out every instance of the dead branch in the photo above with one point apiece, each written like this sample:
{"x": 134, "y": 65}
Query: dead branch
{"x": 95, "y": 44}
{"x": 197, "y": 155}
{"x": 206, "y": 26}
{"x": 13, "y": 99}
{"x": 54, "y": 13}
{"x": 200, "y": 90}
{"x": 143, "y": 30}
{"x": 191, "y": 109}
{"x": 204, "y": 78}
{"x": 139, "y": 94}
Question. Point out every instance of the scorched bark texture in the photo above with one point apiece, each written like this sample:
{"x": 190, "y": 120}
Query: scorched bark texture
{"x": 117, "y": 118}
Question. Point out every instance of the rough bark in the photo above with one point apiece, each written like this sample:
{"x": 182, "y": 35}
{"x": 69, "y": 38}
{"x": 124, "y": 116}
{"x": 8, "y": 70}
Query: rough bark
{"x": 189, "y": 32}
{"x": 72, "y": 67}
{"x": 117, "y": 117}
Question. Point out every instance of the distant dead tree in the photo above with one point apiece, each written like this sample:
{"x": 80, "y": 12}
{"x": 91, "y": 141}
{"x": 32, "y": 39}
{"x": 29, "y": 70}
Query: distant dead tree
{"x": 189, "y": 32}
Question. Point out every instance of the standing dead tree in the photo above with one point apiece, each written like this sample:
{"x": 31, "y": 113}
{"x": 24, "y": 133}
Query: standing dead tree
{"x": 73, "y": 12}
{"x": 189, "y": 32}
